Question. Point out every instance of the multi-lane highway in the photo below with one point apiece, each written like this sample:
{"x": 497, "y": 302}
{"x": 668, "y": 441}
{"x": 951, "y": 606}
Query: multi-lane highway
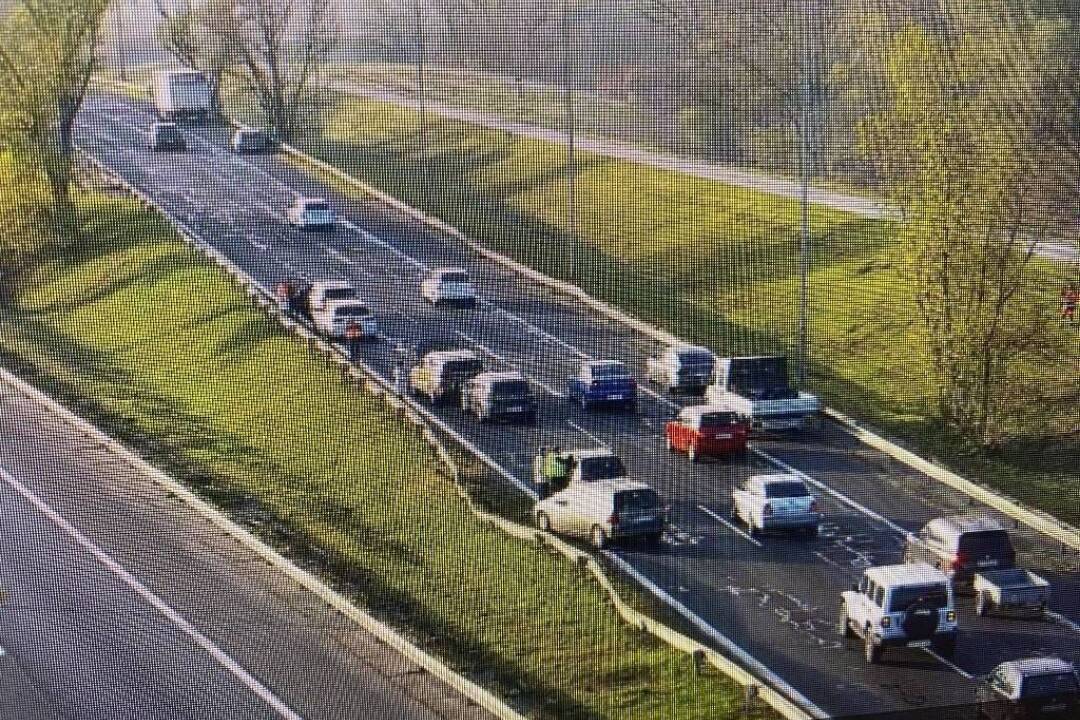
{"x": 777, "y": 598}
{"x": 123, "y": 602}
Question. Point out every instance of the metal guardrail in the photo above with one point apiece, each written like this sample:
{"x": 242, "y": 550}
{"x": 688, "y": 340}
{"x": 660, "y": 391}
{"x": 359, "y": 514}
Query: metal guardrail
{"x": 419, "y": 415}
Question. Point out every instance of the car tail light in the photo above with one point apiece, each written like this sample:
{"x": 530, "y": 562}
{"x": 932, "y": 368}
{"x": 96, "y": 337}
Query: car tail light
{"x": 814, "y": 507}
{"x": 886, "y": 621}
{"x": 767, "y": 510}
{"x": 613, "y": 519}
{"x": 950, "y": 616}
{"x": 959, "y": 560}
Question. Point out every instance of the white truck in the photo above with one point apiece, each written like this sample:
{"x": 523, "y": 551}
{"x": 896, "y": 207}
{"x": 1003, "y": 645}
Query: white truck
{"x": 758, "y": 389}
{"x": 183, "y": 95}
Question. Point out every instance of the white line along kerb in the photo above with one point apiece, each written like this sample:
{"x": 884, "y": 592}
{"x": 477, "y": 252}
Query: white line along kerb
{"x": 157, "y": 603}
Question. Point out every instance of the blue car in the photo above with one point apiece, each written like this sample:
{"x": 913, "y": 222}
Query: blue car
{"x": 603, "y": 383}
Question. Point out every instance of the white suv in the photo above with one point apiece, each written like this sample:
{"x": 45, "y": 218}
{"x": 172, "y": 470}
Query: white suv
{"x": 449, "y": 285}
{"x": 900, "y": 606}
{"x": 311, "y": 214}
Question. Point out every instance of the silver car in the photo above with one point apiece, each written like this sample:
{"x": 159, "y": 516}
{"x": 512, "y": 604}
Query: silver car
{"x": 775, "y": 502}
{"x": 603, "y": 511}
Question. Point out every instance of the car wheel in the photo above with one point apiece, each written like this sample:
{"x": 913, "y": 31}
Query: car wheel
{"x": 810, "y": 532}
{"x": 870, "y": 650}
{"x": 982, "y": 605}
{"x": 598, "y": 537}
{"x": 753, "y": 529}
{"x": 543, "y": 522}
{"x": 653, "y": 541}
{"x": 585, "y": 404}
{"x": 944, "y": 648}
{"x": 843, "y": 626}
{"x": 735, "y": 513}
{"x": 692, "y": 453}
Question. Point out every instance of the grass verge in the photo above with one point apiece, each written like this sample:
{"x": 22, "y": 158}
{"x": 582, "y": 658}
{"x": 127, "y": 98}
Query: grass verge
{"x": 709, "y": 262}
{"x": 146, "y": 339}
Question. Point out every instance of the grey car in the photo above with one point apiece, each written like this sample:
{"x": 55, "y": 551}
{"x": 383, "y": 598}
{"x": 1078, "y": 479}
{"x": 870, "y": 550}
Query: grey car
{"x": 961, "y": 546}
{"x": 603, "y": 511}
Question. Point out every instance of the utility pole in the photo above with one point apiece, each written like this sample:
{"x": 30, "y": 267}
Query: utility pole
{"x": 806, "y": 171}
{"x": 568, "y": 99}
{"x": 422, "y": 132}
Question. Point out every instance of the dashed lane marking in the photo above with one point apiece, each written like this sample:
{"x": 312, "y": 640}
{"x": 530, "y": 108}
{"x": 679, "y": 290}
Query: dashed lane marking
{"x": 731, "y": 526}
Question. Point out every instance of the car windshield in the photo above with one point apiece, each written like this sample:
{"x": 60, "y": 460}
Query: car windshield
{"x": 339, "y": 293}
{"x": 718, "y": 419}
{"x": 1037, "y": 686}
{"x": 787, "y": 489}
{"x": 317, "y": 206}
{"x": 455, "y": 277}
{"x": 759, "y": 375}
{"x": 986, "y": 542}
{"x": 636, "y": 500}
{"x": 696, "y": 357}
{"x": 610, "y": 371}
{"x": 936, "y": 596}
{"x": 510, "y": 388}
{"x": 462, "y": 366}
{"x": 602, "y": 468}
{"x": 352, "y": 311}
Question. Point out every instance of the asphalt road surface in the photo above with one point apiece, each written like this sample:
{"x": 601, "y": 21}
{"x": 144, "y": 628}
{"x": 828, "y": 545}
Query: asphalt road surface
{"x": 777, "y": 598}
{"x": 123, "y": 602}
{"x": 607, "y": 147}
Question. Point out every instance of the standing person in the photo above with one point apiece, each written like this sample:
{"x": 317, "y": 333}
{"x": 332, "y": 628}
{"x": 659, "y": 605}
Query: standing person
{"x": 1068, "y": 305}
{"x": 554, "y": 469}
{"x": 352, "y": 340}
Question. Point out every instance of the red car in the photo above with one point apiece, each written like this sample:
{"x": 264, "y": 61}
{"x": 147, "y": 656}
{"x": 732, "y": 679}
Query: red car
{"x": 706, "y": 430}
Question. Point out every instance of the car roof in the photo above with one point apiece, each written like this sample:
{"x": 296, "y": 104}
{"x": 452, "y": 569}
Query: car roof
{"x": 1038, "y": 666}
{"x": 906, "y": 574}
{"x": 328, "y": 284}
{"x": 447, "y": 355}
{"x": 495, "y": 376}
{"x": 446, "y": 270}
{"x": 614, "y": 486}
{"x": 696, "y": 411}
{"x": 690, "y": 348}
{"x": 768, "y": 478}
{"x": 589, "y": 453}
{"x": 604, "y": 363}
{"x": 959, "y": 524}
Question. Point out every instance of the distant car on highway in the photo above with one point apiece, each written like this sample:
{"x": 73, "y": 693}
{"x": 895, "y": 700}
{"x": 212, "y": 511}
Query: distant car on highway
{"x": 449, "y": 286}
{"x": 166, "y": 136}
{"x": 249, "y": 140}
{"x": 441, "y": 374}
{"x": 1030, "y": 689}
{"x": 323, "y": 292}
{"x": 900, "y": 606}
{"x": 499, "y": 395}
{"x": 778, "y": 501}
{"x": 961, "y": 546}
{"x": 685, "y": 369}
{"x": 759, "y": 389}
{"x": 603, "y": 383}
{"x": 603, "y": 511}
{"x": 333, "y": 319}
{"x": 311, "y": 214}
{"x": 706, "y": 431}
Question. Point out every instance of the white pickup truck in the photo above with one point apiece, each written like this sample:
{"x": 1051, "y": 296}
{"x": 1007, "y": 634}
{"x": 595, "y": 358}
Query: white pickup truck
{"x": 758, "y": 389}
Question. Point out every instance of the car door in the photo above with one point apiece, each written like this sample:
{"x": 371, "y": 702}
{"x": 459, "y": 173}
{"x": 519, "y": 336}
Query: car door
{"x": 560, "y": 511}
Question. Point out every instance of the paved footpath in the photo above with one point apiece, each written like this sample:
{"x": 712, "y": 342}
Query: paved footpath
{"x": 123, "y": 602}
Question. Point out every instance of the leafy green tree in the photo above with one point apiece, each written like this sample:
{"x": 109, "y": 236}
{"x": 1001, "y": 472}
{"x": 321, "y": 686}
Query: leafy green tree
{"x": 961, "y": 143}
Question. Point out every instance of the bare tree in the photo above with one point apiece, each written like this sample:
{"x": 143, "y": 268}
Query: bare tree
{"x": 47, "y": 55}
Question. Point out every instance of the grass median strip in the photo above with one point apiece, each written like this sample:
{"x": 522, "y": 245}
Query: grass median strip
{"x": 155, "y": 345}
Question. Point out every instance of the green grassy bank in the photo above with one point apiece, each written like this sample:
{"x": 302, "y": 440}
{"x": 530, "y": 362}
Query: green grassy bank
{"x": 137, "y": 333}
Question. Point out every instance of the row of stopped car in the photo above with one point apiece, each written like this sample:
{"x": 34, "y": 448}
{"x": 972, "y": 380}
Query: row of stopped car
{"x": 167, "y": 136}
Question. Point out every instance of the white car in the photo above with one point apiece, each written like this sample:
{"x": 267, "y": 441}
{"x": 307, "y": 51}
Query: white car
{"x": 603, "y": 511}
{"x": 327, "y": 291}
{"x": 776, "y": 501}
{"x": 449, "y": 285}
{"x": 335, "y": 318}
{"x": 900, "y": 606}
{"x": 311, "y": 214}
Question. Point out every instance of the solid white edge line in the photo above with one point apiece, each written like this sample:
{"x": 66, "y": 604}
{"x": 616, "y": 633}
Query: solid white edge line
{"x": 731, "y": 526}
{"x": 223, "y": 659}
{"x": 741, "y": 655}
{"x": 588, "y": 434}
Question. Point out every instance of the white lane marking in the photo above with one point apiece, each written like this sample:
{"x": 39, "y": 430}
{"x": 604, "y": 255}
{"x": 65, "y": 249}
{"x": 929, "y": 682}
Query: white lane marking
{"x": 959, "y": 670}
{"x": 409, "y": 259}
{"x": 157, "y": 603}
{"x": 345, "y": 260}
{"x": 730, "y": 525}
{"x": 742, "y": 656}
{"x": 586, "y": 433}
{"x": 834, "y": 493}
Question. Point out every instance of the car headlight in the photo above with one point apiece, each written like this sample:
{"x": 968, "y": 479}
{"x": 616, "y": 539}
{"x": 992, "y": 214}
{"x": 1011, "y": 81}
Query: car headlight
{"x": 950, "y": 616}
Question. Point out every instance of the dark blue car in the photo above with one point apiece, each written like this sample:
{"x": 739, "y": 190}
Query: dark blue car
{"x": 603, "y": 383}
